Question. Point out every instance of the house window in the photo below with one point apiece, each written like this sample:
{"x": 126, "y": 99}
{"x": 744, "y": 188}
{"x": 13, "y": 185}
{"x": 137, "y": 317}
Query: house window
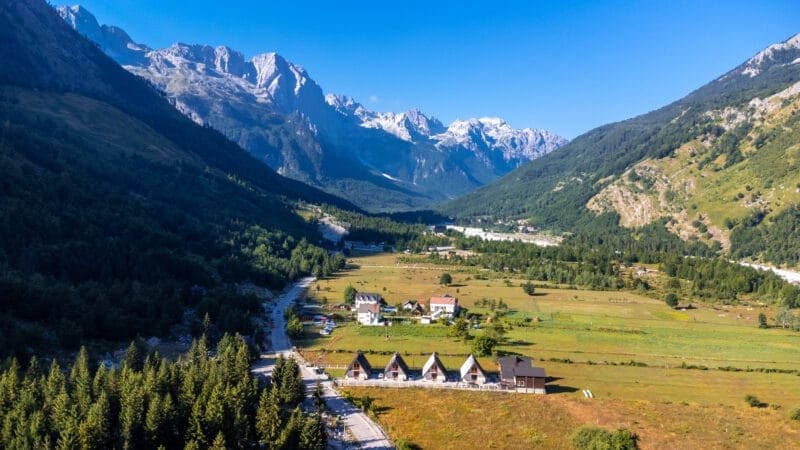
{"x": 521, "y": 382}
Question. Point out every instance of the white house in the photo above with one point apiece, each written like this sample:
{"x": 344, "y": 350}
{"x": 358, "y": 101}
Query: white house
{"x": 434, "y": 370}
{"x": 367, "y": 298}
{"x": 472, "y": 372}
{"x": 447, "y": 305}
{"x": 370, "y": 314}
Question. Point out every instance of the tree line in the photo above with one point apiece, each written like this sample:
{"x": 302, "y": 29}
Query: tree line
{"x": 199, "y": 401}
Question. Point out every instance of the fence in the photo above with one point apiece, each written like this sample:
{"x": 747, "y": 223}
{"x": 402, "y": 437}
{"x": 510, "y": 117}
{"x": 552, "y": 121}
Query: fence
{"x": 496, "y": 387}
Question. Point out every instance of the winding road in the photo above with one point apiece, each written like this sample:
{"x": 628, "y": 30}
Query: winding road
{"x": 365, "y": 432}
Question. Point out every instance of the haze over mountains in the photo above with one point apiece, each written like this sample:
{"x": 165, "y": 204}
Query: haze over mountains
{"x": 273, "y": 109}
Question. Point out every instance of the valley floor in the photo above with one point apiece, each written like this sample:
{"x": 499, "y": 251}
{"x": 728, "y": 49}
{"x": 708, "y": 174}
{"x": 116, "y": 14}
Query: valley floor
{"x": 676, "y": 378}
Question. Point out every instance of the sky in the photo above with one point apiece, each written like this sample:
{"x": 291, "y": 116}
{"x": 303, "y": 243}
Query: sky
{"x": 564, "y": 66}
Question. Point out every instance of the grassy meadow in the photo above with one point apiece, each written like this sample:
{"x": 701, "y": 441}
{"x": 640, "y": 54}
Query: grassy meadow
{"x": 633, "y": 352}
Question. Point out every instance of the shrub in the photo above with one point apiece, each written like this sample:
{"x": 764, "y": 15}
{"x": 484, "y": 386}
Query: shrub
{"x": 593, "y": 438}
{"x": 671, "y": 299}
{"x": 795, "y": 414}
{"x": 446, "y": 279}
{"x": 754, "y": 402}
{"x": 483, "y": 345}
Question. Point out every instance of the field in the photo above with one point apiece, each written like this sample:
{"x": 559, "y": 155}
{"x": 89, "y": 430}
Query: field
{"x": 631, "y": 351}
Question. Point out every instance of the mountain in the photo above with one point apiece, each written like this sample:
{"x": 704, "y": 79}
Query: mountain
{"x": 119, "y": 216}
{"x": 273, "y": 109}
{"x": 713, "y": 165}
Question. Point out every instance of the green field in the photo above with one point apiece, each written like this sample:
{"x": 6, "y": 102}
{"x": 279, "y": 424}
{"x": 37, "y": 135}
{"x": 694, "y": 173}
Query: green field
{"x": 601, "y": 333}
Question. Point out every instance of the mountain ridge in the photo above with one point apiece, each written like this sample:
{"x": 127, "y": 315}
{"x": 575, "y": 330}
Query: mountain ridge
{"x": 741, "y": 127}
{"x": 276, "y": 111}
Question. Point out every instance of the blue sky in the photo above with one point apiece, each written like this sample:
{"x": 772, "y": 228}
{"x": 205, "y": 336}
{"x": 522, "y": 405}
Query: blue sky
{"x": 566, "y": 66}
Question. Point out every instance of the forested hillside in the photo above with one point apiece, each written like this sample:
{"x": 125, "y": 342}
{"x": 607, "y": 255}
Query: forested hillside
{"x": 116, "y": 212}
{"x": 726, "y": 151}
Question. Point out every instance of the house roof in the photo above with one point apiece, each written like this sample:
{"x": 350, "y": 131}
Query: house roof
{"x": 396, "y": 358}
{"x": 444, "y": 301}
{"x": 368, "y": 296}
{"x": 367, "y": 308}
{"x": 469, "y": 363}
{"x": 433, "y": 360}
{"x": 517, "y": 366}
{"x": 362, "y": 361}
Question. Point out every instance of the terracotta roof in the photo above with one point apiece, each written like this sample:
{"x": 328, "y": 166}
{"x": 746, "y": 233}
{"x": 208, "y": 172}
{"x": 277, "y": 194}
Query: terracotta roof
{"x": 369, "y": 307}
{"x": 444, "y": 301}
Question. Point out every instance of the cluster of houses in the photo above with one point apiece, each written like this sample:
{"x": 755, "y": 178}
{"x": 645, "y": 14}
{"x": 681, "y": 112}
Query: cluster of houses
{"x": 515, "y": 372}
{"x": 370, "y": 307}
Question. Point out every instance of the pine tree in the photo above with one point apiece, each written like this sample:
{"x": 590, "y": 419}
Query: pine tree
{"x": 290, "y": 437}
{"x": 219, "y": 442}
{"x": 313, "y": 436}
{"x": 268, "y": 418}
{"x": 292, "y": 388}
{"x": 135, "y": 355}
{"x": 94, "y": 430}
{"x": 80, "y": 380}
{"x": 319, "y": 398}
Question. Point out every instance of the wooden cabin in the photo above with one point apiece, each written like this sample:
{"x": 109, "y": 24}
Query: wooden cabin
{"x": 359, "y": 368}
{"x": 397, "y": 369}
{"x": 472, "y": 372}
{"x": 518, "y": 372}
{"x": 434, "y": 370}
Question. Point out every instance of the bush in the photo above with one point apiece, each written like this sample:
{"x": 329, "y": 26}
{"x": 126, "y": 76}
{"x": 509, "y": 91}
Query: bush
{"x": 593, "y": 438}
{"x": 483, "y": 345}
{"x": 754, "y": 402}
{"x": 529, "y": 288}
{"x": 671, "y": 299}
{"x": 795, "y": 414}
{"x": 446, "y": 279}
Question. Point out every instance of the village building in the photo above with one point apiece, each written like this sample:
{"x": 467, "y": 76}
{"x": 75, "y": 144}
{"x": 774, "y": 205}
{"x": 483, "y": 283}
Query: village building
{"x": 434, "y": 370}
{"x": 472, "y": 372}
{"x": 518, "y": 372}
{"x": 369, "y": 314}
{"x": 367, "y": 298}
{"x": 414, "y": 307}
{"x": 446, "y": 306}
{"x": 397, "y": 369}
{"x": 359, "y": 368}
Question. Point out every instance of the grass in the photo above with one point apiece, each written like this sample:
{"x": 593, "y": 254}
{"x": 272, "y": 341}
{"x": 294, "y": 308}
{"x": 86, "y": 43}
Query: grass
{"x": 633, "y": 352}
{"x": 455, "y": 419}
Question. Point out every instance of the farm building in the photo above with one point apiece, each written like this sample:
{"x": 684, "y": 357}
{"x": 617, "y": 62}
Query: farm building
{"x": 517, "y": 371}
{"x": 472, "y": 372}
{"x": 359, "y": 368}
{"x": 434, "y": 370}
{"x": 367, "y": 298}
{"x": 397, "y": 369}
{"x": 370, "y": 314}
{"x": 446, "y": 305}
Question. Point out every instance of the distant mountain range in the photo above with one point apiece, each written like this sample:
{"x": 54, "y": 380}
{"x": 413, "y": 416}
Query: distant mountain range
{"x": 273, "y": 109}
{"x": 720, "y": 166}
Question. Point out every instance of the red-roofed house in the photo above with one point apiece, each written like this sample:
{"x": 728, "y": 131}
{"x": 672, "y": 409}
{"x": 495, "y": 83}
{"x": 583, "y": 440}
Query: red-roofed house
{"x": 446, "y": 305}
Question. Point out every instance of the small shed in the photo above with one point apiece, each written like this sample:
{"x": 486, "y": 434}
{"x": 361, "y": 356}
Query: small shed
{"x": 472, "y": 372}
{"x": 434, "y": 370}
{"x": 359, "y": 368}
{"x": 397, "y": 369}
